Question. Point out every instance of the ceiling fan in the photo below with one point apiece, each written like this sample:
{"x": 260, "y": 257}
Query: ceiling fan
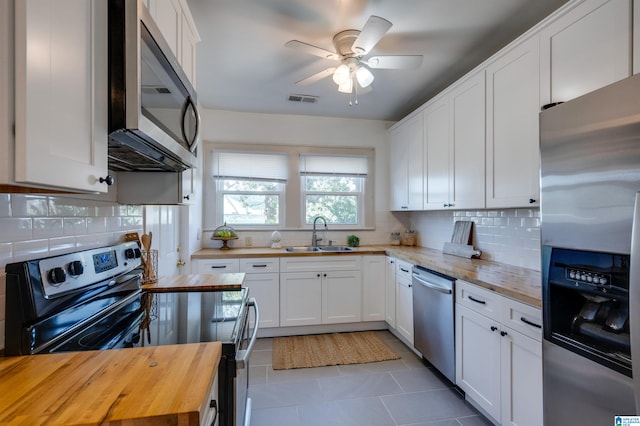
{"x": 352, "y": 75}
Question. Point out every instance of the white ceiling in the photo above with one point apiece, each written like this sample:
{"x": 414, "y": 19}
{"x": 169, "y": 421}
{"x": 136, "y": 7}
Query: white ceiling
{"x": 243, "y": 64}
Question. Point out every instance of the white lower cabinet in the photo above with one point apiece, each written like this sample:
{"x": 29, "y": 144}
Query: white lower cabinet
{"x": 404, "y": 300}
{"x": 499, "y": 355}
{"x": 263, "y": 281}
{"x": 390, "y": 292}
{"x": 373, "y": 287}
{"x": 325, "y": 290}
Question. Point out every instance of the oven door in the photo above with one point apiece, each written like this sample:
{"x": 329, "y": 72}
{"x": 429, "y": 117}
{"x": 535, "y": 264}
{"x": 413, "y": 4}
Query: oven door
{"x": 248, "y": 340}
{"x": 118, "y": 326}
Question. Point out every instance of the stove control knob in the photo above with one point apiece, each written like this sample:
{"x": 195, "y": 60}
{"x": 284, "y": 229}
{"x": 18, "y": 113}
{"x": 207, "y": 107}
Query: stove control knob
{"x": 138, "y": 253}
{"x": 129, "y": 254}
{"x": 76, "y": 268}
{"x": 57, "y": 276}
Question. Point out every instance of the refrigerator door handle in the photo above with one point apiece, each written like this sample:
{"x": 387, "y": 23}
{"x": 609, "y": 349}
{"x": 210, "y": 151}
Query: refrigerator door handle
{"x": 634, "y": 299}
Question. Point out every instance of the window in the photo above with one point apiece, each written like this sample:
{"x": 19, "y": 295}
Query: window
{"x": 284, "y": 187}
{"x": 333, "y": 187}
{"x": 250, "y": 188}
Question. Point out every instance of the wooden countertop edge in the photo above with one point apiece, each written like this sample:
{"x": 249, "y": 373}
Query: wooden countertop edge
{"x": 515, "y": 282}
{"x": 196, "y": 283}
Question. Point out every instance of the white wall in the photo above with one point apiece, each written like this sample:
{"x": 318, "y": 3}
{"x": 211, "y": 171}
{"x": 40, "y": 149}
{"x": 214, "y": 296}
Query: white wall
{"x": 273, "y": 129}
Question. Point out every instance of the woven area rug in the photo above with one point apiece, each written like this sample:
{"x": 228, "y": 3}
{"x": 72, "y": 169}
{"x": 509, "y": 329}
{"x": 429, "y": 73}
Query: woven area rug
{"x": 329, "y": 349}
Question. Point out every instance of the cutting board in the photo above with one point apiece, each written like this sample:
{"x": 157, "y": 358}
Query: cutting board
{"x": 462, "y": 232}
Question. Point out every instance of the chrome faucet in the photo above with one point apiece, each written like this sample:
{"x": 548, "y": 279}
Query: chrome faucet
{"x": 314, "y": 236}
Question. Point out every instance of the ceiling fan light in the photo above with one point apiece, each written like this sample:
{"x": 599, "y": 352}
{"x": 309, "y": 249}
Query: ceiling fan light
{"x": 364, "y": 76}
{"x": 342, "y": 74}
{"x": 346, "y": 87}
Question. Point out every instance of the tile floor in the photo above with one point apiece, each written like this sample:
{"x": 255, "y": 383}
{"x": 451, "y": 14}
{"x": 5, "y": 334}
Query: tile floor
{"x": 388, "y": 393}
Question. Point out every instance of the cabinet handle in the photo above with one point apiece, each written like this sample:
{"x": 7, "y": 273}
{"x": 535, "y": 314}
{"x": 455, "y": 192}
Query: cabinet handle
{"x": 324, "y": 275}
{"x": 259, "y": 266}
{"x": 218, "y": 266}
{"x": 482, "y": 302}
{"x": 318, "y": 275}
{"x": 404, "y": 270}
{"x": 186, "y": 197}
{"x": 503, "y": 333}
{"x": 109, "y": 180}
{"x": 533, "y": 324}
{"x": 494, "y": 328}
{"x": 531, "y": 201}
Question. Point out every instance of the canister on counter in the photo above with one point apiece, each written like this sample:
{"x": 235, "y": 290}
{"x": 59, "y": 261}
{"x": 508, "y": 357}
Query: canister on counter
{"x": 409, "y": 237}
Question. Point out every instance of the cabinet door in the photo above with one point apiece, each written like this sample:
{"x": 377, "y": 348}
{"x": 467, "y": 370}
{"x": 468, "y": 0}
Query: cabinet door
{"x": 188, "y": 49}
{"x": 300, "y": 298}
{"x": 478, "y": 359}
{"x": 468, "y": 144}
{"x": 217, "y": 266}
{"x": 168, "y": 17}
{"x": 513, "y": 158}
{"x": 437, "y": 130}
{"x": 61, "y": 94}
{"x": 404, "y": 309}
{"x": 406, "y": 164}
{"x": 521, "y": 378}
{"x": 390, "y": 292}
{"x": 266, "y": 289}
{"x": 341, "y": 296}
{"x": 373, "y": 288}
{"x": 636, "y": 36}
{"x": 587, "y": 48}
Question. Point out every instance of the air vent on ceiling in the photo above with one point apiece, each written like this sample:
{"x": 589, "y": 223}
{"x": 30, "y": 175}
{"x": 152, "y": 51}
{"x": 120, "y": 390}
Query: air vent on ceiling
{"x": 305, "y": 99}
{"x": 152, "y": 90}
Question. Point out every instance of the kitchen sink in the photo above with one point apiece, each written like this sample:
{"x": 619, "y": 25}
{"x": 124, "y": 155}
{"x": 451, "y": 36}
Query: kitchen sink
{"x": 336, "y": 248}
{"x": 301, "y": 249}
{"x": 304, "y": 249}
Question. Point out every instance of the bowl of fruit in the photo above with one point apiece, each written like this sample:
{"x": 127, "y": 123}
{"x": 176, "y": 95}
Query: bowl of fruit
{"x": 224, "y": 233}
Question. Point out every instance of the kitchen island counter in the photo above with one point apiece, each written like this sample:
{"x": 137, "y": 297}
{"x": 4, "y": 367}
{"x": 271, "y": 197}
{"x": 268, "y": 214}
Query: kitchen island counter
{"x": 518, "y": 283}
{"x": 133, "y": 386}
{"x": 196, "y": 282}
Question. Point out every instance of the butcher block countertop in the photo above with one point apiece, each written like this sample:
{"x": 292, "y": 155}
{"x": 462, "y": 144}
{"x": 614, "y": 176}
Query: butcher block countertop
{"x": 165, "y": 385}
{"x": 518, "y": 283}
{"x": 196, "y": 282}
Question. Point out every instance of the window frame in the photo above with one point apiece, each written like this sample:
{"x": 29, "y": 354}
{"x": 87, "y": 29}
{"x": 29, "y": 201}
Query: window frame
{"x": 220, "y": 193}
{"x": 291, "y": 208}
{"x": 360, "y": 196}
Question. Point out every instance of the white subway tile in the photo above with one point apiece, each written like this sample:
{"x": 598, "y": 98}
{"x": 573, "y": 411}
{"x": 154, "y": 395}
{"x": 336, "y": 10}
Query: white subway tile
{"x": 15, "y": 229}
{"x": 47, "y": 227}
{"x": 74, "y": 226}
{"x": 27, "y": 250}
{"x": 94, "y": 240}
{"x": 5, "y": 205}
{"x": 113, "y": 223}
{"x": 96, "y": 225}
{"x": 6, "y": 254}
{"x": 62, "y": 245}
{"x": 23, "y": 205}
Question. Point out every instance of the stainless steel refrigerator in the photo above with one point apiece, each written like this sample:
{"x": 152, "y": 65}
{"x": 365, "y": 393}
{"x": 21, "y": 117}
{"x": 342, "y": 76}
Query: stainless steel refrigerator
{"x": 590, "y": 237}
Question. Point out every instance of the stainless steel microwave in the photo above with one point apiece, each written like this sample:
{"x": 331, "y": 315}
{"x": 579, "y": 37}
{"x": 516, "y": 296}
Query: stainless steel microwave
{"x": 154, "y": 123}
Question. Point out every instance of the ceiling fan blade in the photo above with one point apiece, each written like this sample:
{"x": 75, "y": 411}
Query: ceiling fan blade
{"x": 316, "y": 77}
{"x": 312, "y": 50}
{"x": 396, "y": 62}
{"x": 375, "y": 28}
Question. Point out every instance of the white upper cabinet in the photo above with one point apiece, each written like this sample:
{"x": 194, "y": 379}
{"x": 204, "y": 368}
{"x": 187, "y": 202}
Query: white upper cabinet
{"x": 585, "y": 49}
{"x": 437, "y": 144}
{"x": 60, "y": 95}
{"x": 406, "y": 164}
{"x": 636, "y": 36}
{"x": 513, "y": 158}
{"x": 467, "y": 176}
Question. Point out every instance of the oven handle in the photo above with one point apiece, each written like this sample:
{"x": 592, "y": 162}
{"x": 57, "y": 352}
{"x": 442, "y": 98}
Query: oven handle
{"x": 634, "y": 296}
{"x": 246, "y": 353}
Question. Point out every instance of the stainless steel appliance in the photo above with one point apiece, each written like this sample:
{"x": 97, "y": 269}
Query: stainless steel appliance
{"x": 225, "y": 316}
{"x": 78, "y": 301}
{"x": 154, "y": 123}
{"x": 590, "y": 178}
{"x": 433, "y": 319}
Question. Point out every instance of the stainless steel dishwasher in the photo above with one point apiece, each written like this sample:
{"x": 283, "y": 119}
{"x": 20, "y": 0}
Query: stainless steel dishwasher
{"x": 433, "y": 319}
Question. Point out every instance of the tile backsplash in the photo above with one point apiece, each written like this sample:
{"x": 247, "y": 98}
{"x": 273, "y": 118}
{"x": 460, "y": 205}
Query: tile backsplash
{"x": 509, "y": 236}
{"x": 34, "y": 226}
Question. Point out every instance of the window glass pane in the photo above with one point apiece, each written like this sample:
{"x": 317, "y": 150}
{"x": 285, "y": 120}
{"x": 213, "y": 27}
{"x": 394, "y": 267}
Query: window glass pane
{"x": 336, "y": 209}
{"x": 251, "y": 209}
{"x": 252, "y": 186}
{"x": 332, "y": 183}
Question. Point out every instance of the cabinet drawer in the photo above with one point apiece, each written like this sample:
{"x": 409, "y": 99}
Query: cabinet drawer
{"x": 403, "y": 270}
{"x": 478, "y": 299}
{"x": 260, "y": 265}
{"x": 521, "y": 317}
{"x": 324, "y": 263}
{"x": 218, "y": 266}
